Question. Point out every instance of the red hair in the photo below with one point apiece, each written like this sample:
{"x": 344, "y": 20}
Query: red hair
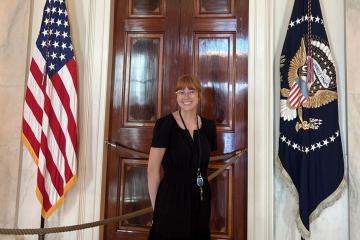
{"x": 188, "y": 81}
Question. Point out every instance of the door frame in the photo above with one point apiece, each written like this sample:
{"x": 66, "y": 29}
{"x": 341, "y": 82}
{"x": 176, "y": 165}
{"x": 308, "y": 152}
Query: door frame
{"x": 260, "y": 116}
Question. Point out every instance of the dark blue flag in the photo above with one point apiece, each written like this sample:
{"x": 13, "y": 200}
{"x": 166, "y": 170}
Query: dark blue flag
{"x": 310, "y": 150}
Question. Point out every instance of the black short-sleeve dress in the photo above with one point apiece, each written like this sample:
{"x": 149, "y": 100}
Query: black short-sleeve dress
{"x": 179, "y": 213}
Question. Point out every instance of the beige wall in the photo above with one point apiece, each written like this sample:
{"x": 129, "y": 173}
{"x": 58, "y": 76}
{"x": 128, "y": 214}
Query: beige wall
{"x": 14, "y": 28}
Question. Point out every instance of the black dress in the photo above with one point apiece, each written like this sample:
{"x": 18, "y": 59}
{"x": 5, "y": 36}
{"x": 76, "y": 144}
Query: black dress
{"x": 179, "y": 213}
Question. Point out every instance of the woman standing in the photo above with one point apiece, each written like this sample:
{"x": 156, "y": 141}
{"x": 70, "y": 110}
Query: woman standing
{"x": 181, "y": 144}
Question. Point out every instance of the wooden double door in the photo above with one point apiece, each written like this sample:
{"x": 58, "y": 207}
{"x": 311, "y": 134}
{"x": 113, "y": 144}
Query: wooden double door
{"x": 155, "y": 41}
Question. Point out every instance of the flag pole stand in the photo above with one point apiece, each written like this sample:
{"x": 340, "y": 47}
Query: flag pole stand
{"x": 42, "y": 224}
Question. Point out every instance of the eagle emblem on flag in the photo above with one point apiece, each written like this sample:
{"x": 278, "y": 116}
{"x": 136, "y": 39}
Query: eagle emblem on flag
{"x": 317, "y": 92}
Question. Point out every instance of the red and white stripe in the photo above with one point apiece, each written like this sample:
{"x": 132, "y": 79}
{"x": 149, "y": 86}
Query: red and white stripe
{"x": 296, "y": 98}
{"x": 50, "y": 130}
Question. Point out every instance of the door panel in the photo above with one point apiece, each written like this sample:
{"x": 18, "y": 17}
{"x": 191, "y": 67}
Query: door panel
{"x": 155, "y": 41}
{"x": 214, "y": 7}
{"x": 213, "y": 64}
{"x": 146, "y": 8}
{"x": 134, "y": 194}
{"x": 144, "y": 61}
{"x": 221, "y": 223}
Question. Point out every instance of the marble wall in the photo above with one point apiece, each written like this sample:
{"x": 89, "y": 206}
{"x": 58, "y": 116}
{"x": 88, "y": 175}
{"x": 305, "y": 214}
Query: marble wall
{"x": 353, "y": 107}
{"x": 14, "y": 22}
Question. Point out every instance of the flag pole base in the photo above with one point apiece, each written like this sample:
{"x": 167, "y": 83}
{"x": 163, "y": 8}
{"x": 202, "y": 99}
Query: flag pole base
{"x": 42, "y": 224}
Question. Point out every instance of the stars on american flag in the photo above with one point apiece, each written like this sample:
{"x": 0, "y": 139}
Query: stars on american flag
{"x": 53, "y": 55}
{"x": 313, "y": 147}
{"x": 305, "y": 18}
{"x": 56, "y": 44}
{"x": 54, "y": 41}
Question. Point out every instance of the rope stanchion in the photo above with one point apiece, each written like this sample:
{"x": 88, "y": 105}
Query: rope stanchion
{"x": 145, "y": 155}
{"x": 42, "y": 231}
{"x": 230, "y": 162}
{"x": 231, "y": 157}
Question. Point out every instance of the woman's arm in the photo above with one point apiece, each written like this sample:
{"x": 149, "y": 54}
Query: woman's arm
{"x": 153, "y": 170}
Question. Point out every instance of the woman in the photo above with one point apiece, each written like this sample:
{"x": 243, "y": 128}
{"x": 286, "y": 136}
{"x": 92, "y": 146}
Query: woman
{"x": 181, "y": 144}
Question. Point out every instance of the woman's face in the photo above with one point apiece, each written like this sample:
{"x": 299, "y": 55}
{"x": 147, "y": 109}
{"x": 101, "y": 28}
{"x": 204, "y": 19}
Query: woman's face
{"x": 187, "y": 98}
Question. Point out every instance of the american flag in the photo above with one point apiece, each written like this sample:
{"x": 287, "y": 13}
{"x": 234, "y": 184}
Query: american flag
{"x": 50, "y": 108}
{"x": 296, "y": 96}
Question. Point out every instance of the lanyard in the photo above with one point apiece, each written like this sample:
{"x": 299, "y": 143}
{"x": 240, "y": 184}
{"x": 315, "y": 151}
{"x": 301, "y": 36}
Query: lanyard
{"x": 199, "y": 178}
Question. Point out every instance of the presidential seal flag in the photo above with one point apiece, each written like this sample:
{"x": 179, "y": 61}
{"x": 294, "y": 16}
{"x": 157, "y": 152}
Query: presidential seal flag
{"x": 310, "y": 154}
{"x": 50, "y": 109}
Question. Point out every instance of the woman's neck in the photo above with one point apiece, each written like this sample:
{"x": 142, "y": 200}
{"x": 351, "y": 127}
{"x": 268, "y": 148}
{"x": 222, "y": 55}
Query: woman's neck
{"x": 189, "y": 116}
